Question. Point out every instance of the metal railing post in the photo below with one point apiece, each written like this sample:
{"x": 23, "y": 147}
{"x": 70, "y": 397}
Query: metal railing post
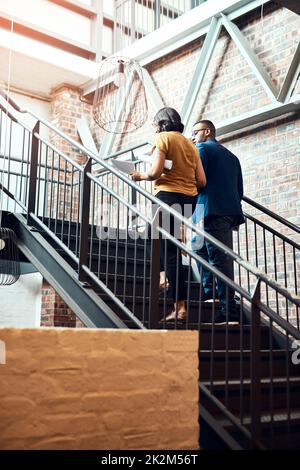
{"x": 133, "y": 194}
{"x": 33, "y": 171}
{"x": 255, "y": 367}
{"x": 132, "y": 25}
{"x": 154, "y": 271}
{"x": 157, "y": 14}
{"x": 84, "y": 220}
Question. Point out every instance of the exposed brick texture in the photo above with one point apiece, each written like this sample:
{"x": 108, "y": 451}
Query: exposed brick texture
{"x": 54, "y": 310}
{"x": 130, "y": 389}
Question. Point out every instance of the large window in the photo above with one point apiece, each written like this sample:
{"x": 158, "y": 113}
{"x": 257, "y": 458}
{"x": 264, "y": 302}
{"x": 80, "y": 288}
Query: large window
{"x": 136, "y": 18}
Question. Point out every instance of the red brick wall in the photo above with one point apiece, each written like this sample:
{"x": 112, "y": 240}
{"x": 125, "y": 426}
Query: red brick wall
{"x": 54, "y": 311}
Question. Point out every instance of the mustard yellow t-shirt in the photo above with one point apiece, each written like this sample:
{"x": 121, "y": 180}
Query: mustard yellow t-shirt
{"x": 182, "y": 176}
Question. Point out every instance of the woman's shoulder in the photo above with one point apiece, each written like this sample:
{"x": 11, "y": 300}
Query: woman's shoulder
{"x": 161, "y": 136}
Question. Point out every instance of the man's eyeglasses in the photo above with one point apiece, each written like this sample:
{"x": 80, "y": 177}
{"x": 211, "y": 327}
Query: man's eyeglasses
{"x": 195, "y": 132}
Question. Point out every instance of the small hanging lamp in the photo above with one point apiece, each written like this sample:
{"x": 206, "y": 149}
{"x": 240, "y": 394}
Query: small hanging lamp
{"x": 9, "y": 257}
{"x": 120, "y": 104}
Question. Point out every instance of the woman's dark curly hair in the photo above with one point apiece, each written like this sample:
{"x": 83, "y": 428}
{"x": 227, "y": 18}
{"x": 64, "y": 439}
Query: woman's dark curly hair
{"x": 167, "y": 119}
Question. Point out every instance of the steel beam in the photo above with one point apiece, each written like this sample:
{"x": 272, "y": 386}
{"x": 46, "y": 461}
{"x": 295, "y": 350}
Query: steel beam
{"x": 201, "y": 68}
{"x": 262, "y": 114}
{"x": 152, "y": 91}
{"x": 188, "y": 27}
{"x": 85, "y": 135}
{"x": 245, "y": 49}
{"x": 291, "y": 77}
{"x": 185, "y": 29}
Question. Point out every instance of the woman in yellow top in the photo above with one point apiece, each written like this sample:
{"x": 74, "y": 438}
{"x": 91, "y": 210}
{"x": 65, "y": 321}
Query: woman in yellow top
{"x": 176, "y": 186}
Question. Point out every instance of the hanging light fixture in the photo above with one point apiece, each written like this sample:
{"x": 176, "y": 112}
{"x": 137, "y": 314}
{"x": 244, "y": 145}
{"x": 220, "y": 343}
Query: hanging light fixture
{"x": 120, "y": 104}
{"x": 9, "y": 257}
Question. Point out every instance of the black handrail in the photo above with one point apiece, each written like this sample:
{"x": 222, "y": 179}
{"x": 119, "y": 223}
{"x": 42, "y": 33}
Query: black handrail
{"x": 272, "y": 214}
{"x": 272, "y": 230}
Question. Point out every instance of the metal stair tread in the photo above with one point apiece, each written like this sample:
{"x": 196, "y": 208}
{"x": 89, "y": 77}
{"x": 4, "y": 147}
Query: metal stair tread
{"x": 113, "y": 258}
{"x": 239, "y": 383}
{"x": 237, "y": 352}
{"x": 279, "y": 417}
{"x": 140, "y": 243}
{"x": 141, "y": 299}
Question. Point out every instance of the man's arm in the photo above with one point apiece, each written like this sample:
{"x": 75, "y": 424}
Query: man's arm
{"x": 203, "y": 155}
{"x": 240, "y": 183}
{"x": 200, "y": 175}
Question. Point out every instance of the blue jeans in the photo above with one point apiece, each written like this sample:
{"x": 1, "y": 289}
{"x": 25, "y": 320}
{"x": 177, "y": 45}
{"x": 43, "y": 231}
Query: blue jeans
{"x": 219, "y": 227}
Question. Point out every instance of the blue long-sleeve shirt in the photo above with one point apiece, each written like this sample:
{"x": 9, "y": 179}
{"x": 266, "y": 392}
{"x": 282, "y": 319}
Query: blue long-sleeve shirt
{"x": 224, "y": 187}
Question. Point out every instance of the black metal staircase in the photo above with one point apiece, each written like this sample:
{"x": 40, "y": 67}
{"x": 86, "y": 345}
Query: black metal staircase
{"x": 84, "y": 228}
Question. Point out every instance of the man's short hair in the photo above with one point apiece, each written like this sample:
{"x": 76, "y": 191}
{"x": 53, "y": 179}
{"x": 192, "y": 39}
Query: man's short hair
{"x": 208, "y": 124}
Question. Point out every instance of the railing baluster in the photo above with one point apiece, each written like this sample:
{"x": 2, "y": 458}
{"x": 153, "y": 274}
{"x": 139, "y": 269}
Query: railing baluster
{"x": 33, "y": 172}
{"x": 255, "y": 371}
{"x": 62, "y": 212}
{"x": 84, "y": 220}
{"x": 157, "y": 5}
{"x": 22, "y": 162}
{"x": 271, "y": 374}
{"x": 296, "y": 286}
{"x": 154, "y": 271}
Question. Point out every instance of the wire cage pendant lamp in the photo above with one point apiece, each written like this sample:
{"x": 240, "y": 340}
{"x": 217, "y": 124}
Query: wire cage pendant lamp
{"x": 120, "y": 104}
{"x": 9, "y": 257}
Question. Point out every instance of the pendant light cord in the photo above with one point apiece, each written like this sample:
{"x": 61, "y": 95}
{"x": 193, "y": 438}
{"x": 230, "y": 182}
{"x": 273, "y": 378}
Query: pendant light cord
{"x": 6, "y": 121}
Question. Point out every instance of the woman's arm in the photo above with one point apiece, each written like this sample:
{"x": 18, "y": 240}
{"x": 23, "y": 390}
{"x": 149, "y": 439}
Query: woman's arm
{"x": 155, "y": 171}
{"x": 200, "y": 175}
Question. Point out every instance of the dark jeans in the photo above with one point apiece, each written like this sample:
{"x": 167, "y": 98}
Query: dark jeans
{"x": 170, "y": 255}
{"x": 219, "y": 227}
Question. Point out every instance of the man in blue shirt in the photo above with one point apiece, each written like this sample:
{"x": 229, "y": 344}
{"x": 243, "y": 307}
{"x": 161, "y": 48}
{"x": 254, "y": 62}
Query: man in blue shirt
{"x": 220, "y": 203}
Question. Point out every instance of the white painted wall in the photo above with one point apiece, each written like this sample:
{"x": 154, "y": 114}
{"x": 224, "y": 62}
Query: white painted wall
{"x": 20, "y": 304}
{"x": 40, "y": 107}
